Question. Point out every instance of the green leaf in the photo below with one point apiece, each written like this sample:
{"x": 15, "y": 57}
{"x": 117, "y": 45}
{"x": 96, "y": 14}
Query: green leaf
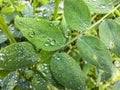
{"x": 77, "y": 14}
{"x": 95, "y": 52}
{"x": 41, "y": 33}
{"x": 15, "y": 81}
{"x": 44, "y": 69}
{"x": 17, "y": 55}
{"x": 10, "y": 81}
{"x": 39, "y": 83}
{"x": 99, "y": 6}
{"x": 109, "y": 32}
{"x": 117, "y": 85}
{"x": 7, "y": 10}
{"x": 21, "y": 7}
{"x": 67, "y": 72}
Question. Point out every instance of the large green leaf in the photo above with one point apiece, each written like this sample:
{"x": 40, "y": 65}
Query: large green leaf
{"x": 67, "y": 72}
{"x": 99, "y": 6}
{"x": 17, "y": 55}
{"x": 109, "y": 32}
{"x": 77, "y": 14}
{"x": 43, "y": 34}
{"x": 95, "y": 52}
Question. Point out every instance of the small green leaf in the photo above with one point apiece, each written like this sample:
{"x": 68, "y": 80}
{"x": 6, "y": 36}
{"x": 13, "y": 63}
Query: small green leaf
{"x": 99, "y": 6}
{"x": 21, "y": 7}
{"x": 77, "y": 14}
{"x": 67, "y": 72}
{"x": 44, "y": 69}
{"x": 43, "y": 34}
{"x": 7, "y": 10}
{"x": 17, "y": 55}
{"x": 39, "y": 83}
{"x": 10, "y": 81}
{"x": 109, "y": 32}
{"x": 95, "y": 52}
{"x": 15, "y": 81}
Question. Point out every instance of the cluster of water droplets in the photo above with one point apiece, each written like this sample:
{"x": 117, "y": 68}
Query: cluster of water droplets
{"x": 10, "y": 81}
{"x": 50, "y": 42}
{"x": 44, "y": 69}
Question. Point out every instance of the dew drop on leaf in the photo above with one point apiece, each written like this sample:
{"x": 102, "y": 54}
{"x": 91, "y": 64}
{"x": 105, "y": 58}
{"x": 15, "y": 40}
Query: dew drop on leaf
{"x": 102, "y": 6}
{"x": 58, "y": 58}
{"x": 52, "y": 42}
{"x": 46, "y": 44}
{"x": 31, "y": 34}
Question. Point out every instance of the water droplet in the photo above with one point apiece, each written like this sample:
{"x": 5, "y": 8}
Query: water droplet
{"x": 38, "y": 19}
{"x": 46, "y": 44}
{"x": 52, "y": 42}
{"x": 58, "y": 58}
{"x": 78, "y": 88}
{"x": 30, "y": 86}
{"x": 102, "y": 6}
{"x": 31, "y": 34}
{"x": 51, "y": 24}
{"x": 1, "y": 59}
{"x": 94, "y": 57}
{"x": 45, "y": 67}
{"x": 1, "y": 54}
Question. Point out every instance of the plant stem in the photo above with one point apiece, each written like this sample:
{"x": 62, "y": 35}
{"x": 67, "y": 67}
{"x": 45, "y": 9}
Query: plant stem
{"x": 34, "y": 4}
{"x": 56, "y": 9}
{"x": 103, "y": 17}
{"x": 92, "y": 26}
{"x": 6, "y": 30}
{"x": 99, "y": 77}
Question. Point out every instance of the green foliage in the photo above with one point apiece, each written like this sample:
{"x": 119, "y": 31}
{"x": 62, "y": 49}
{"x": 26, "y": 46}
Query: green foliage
{"x": 42, "y": 33}
{"x": 59, "y": 44}
{"x": 75, "y": 17}
{"x": 97, "y": 53}
{"x": 17, "y": 55}
{"x": 110, "y": 35}
{"x": 67, "y": 72}
{"x": 99, "y": 6}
